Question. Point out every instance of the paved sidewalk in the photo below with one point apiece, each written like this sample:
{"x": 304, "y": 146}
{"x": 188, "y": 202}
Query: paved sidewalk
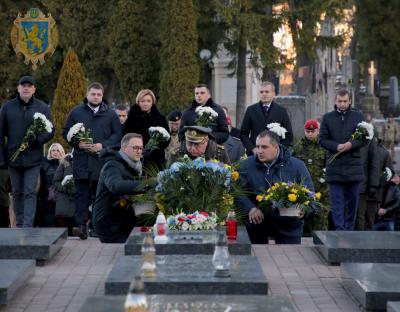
{"x": 79, "y": 270}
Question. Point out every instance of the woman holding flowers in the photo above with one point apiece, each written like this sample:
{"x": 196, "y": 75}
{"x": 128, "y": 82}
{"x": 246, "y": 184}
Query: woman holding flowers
{"x": 142, "y": 116}
{"x": 272, "y": 164}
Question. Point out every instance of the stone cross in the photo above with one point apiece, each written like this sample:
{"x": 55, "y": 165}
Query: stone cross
{"x": 371, "y": 72}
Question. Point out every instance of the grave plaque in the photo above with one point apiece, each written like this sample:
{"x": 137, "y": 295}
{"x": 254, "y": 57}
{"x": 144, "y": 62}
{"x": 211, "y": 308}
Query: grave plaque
{"x": 372, "y": 284}
{"x": 358, "y": 246}
{"x": 194, "y": 303}
{"x": 14, "y": 274}
{"x": 188, "y": 274}
{"x": 31, "y": 243}
{"x": 393, "y": 306}
{"x": 190, "y": 243}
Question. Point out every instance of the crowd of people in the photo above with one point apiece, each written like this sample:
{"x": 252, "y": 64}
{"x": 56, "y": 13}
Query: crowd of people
{"x": 81, "y": 189}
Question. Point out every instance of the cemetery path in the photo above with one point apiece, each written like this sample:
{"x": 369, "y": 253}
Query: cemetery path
{"x": 80, "y": 269}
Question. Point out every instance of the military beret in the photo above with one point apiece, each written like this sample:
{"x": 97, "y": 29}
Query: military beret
{"x": 196, "y": 134}
{"x": 311, "y": 124}
{"x": 175, "y": 116}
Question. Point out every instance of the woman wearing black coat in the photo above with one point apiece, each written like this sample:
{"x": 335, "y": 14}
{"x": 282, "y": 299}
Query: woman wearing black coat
{"x": 143, "y": 115}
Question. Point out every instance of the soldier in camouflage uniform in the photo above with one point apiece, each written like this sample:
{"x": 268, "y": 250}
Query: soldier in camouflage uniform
{"x": 174, "y": 122}
{"x": 313, "y": 155}
{"x": 199, "y": 142}
{"x": 390, "y": 136}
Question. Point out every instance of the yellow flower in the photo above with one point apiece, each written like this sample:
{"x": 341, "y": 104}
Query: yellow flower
{"x": 304, "y": 189}
{"x": 307, "y": 202}
{"x": 215, "y": 160}
{"x": 292, "y": 197}
{"x": 259, "y": 198}
{"x": 294, "y": 191}
{"x": 235, "y": 175}
{"x": 226, "y": 166}
{"x": 276, "y": 184}
{"x": 318, "y": 195}
{"x": 268, "y": 197}
{"x": 283, "y": 183}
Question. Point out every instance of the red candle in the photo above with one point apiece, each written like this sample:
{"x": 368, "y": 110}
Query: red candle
{"x": 231, "y": 229}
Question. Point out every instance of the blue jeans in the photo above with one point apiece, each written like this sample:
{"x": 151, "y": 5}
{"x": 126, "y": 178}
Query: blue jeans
{"x": 23, "y": 184}
{"x": 384, "y": 225}
{"x": 344, "y": 202}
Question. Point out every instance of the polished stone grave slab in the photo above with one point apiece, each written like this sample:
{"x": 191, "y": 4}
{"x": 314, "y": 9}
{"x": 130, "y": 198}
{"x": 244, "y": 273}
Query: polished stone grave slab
{"x": 31, "y": 243}
{"x": 358, "y": 246}
{"x": 190, "y": 243}
{"x": 13, "y": 274}
{"x": 372, "y": 284}
{"x": 393, "y": 306}
{"x": 186, "y": 274}
{"x": 194, "y": 303}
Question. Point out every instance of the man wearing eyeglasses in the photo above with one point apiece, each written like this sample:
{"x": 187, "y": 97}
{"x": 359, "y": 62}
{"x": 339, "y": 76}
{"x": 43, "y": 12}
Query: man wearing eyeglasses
{"x": 260, "y": 114}
{"x": 113, "y": 219}
{"x": 199, "y": 142}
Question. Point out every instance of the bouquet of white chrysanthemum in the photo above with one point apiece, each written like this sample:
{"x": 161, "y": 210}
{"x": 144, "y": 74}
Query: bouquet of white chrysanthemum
{"x": 387, "y": 174}
{"x": 364, "y": 131}
{"x": 206, "y": 116}
{"x": 78, "y": 133}
{"x": 39, "y": 125}
{"x": 157, "y": 136}
{"x": 68, "y": 182}
{"x": 277, "y": 129}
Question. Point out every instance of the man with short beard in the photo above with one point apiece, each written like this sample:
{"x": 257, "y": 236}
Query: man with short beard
{"x": 106, "y": 131}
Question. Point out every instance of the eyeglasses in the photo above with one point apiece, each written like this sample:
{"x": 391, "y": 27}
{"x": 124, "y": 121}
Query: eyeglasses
{"x": 136, "y": 148}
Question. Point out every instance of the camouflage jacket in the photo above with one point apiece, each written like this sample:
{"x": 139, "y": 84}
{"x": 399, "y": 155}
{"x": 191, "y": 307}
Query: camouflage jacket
{"x": 313, "y": 155}
{"x": 213, "y": 151}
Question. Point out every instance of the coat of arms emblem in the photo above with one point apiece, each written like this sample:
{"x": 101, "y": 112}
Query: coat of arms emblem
{"x": 34, "y": 36}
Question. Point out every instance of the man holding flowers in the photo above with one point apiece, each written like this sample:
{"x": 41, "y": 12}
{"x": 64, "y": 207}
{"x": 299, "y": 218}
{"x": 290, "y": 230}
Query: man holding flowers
{"x": 25, "y": 126}
{"x": 272, "y": 164}
{"x": 342, "y": 137}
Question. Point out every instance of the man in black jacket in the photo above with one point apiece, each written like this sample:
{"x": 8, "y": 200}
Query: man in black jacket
{"x": 260, "y": 114}
{"x": 113, "y": 219}
{"x": 106, "y": 131}
{"x": 203, "y": 98}
{"x": 344, "y": 173}
{"x": 15, "y": 118}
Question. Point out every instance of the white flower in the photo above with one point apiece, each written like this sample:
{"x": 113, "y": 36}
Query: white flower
{"x": 74, "y": 130}
{"x": 321, "y": 180}
{"x": 160, "y": 130}
{"x": 277, "y": 128}
{"x": 47, "y": 123}
{"x": 201, "y": 110}
{"x": 370, "y": 129}
{"x": 185, "y": 226}
{"x": 66, "y": 179}
{"x": 388, "y": 173}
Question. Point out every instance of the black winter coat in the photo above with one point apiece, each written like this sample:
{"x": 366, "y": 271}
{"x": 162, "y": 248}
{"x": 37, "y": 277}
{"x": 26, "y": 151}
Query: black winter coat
{"x": 65, "y": 205}
{"x": 15, "y": 118}
{"x": 111, "y": 221}
{"x": 220, "y": 131}
{"x": 139, "y": 122}
{"x": 371, "y": 166}
{"x": 391, "y": 200}
{"x": 337, "y": 128}
{"x": 255, "y": 121}
{"x": 106, "y": 129}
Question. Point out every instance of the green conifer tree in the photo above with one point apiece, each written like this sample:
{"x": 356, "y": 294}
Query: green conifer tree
{"x": 134, "y": 45}
{"x": 70, "y": 91}
{"x": 179, "y": 61}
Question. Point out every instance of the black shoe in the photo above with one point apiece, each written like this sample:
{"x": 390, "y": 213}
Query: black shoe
{"x": 80, "y": 231}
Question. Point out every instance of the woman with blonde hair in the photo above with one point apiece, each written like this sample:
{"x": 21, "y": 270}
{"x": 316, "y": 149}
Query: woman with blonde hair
{"x": 143, "y": 115}
{"x": 47, "y": 195}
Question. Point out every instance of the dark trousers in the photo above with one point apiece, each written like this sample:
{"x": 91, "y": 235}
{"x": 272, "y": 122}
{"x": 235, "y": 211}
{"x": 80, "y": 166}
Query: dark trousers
{"x": 344, "y": 202}
{"x": 366, "y": 213}
{"x": 24, "y": 182}
{"x": 84, "y": 197}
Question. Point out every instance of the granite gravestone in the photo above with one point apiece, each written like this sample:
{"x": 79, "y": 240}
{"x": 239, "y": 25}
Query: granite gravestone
{"x": 393, "y": 306}
{"x": 372, "y": 284}
{"x": 394, "y": 93}
{"x": 194, "y": 303}
{"x": 188, "y": 274}
{"x": 190, "y": 243}
{"x": 358, "y": 246}
{"x": 31, "y": 243}
{"x": 14, "y": 274}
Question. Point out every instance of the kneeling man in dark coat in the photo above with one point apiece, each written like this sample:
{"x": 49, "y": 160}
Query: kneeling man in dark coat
{"x": 120, "y": 176}
{"x": 272, "y": 163}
